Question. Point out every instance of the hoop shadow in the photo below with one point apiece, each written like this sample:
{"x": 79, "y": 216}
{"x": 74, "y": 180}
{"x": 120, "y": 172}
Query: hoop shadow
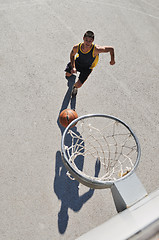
{"x": 67, "y": 190}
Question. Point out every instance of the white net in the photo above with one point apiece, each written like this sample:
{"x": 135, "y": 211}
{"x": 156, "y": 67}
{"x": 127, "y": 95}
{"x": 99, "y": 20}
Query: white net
{"x": 101, "y": 149}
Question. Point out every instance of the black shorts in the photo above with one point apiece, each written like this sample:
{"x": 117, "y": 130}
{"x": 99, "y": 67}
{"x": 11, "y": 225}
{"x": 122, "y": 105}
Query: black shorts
{"x": 84, "y": 72}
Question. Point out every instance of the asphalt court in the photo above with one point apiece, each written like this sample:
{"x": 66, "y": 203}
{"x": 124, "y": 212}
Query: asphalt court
{"x": 38, "y": 201}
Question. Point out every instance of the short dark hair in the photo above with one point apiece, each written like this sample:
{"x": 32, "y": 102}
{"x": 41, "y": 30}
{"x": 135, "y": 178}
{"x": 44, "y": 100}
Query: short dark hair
{"x": 89, "y": 34}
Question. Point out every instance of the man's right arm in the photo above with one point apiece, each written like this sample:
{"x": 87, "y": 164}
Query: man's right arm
{"x": 72, "y": 58}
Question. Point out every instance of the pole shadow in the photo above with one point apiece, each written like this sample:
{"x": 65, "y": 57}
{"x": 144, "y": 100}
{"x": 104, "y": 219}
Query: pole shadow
{"x": 67, "y": 190}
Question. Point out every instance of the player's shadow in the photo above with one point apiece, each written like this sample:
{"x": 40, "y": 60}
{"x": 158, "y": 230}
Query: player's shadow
{"x": 67, "y": 190}
{"x": 67, "y": 98}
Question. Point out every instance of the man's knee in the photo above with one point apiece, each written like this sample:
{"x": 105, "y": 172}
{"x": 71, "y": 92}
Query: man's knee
{"x": 78, "y": 84}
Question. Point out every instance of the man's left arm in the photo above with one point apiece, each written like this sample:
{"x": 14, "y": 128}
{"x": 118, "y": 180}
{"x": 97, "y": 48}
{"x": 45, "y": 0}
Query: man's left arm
{"x": 105, "y": 49}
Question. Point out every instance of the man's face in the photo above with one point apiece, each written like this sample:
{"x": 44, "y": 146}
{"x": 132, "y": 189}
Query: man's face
{"x": 87, "y": 41}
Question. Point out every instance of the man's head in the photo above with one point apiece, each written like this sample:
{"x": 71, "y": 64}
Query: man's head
{"x": 88, "y": 38}
{"x": 89, "y": 34}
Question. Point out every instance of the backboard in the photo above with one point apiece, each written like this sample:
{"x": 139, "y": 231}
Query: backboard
{"x": 139, "y": 222}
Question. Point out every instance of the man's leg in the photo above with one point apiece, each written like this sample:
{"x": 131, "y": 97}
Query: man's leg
{"x": 82, "y": 78}
{"x": 77, "y": 85}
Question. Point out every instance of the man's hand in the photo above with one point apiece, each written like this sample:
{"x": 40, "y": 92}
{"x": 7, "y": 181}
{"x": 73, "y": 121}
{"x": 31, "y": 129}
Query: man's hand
{"x": 73, "y": 70}
{"x": 112, "y": 62}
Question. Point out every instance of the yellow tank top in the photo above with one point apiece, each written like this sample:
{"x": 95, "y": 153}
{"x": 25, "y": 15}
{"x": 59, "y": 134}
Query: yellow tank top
{"x": 86, "y": 60}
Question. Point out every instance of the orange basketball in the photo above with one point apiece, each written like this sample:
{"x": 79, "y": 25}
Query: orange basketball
{"x": 67, "y": 116}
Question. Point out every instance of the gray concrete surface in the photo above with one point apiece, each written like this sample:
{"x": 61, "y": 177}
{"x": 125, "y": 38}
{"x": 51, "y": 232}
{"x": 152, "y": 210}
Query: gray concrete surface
{"x": 37, "y": 200}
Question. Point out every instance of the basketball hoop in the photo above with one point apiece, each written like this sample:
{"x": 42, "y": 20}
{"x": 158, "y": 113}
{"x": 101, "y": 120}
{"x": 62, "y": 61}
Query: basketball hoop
{"x": 104, "y": 147}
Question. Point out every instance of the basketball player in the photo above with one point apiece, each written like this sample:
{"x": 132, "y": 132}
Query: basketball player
{"x": 84, "y": 57}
